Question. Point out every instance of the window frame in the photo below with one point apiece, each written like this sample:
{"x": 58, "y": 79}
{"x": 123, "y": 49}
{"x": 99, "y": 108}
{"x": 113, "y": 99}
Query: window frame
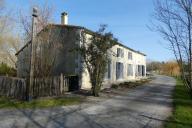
{"x": 108, "y": 74}
{"x": 120, "y": 52}
{"x": 129, "y": 69}
{"x": 130, "y": 55}
{"x": 119, "y": 70}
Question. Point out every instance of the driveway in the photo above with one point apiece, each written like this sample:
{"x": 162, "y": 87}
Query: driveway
{"x": 145, "y": 106}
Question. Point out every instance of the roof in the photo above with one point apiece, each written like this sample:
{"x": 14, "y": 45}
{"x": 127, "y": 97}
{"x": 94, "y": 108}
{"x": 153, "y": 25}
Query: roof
{"x": 131, "y": 49}
{"x": 58, "y": 25}
{"x": 80, "y": 27}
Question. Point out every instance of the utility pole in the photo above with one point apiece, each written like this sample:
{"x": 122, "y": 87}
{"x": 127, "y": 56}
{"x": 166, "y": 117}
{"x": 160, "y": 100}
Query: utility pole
{"x": 33, "y": 41}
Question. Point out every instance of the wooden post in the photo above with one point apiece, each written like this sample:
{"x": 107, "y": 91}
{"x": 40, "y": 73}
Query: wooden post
{"x": 33, "y": 41}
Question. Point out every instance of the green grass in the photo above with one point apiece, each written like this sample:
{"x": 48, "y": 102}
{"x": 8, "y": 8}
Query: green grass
{"x": 39, "y": 103}
{"x": 182, "y": 114}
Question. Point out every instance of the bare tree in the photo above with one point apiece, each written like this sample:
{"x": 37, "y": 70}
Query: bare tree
{"x": 1, "y": 12}
{"x": 45, "y": 16}
{"x": 46, "y": 47}
{"x": 174, "y": 19}
{"x": 42, "y": 52}
{"x": 2, "y": 19}
{"x": 9, "y": 43}
{"x": 1, "y": 4}
{"x": 43, "y": 31}
{"x": 6, "y": 22}
{"x": 154, "y": 66}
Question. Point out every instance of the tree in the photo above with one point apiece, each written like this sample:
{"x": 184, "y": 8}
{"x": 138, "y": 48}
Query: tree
{"x": 48, "y": 43}
{"x": 6, "y": 70}
{"x": 170, "y": 68}
{"x": 43, "y": 32}
{"x": 95, "y": 54}
{"x": 154, "y": 66}
{"x": 1, "y": 16}
{"x": 174, "y": 23}
{"x": 9, "y": 46}
{"x": 45, "y": 16}
{"x": 6, "y": 23}
{"x": 42, "y": 53}
{"x": 9, "y": 43}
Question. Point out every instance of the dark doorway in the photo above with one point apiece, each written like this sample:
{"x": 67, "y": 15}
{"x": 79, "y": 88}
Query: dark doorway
{"x": 143, "y": 70}
{"x": 73, "y": 83}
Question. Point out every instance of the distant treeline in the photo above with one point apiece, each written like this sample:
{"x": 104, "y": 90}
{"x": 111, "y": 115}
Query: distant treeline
{"x": 170, "y": 68}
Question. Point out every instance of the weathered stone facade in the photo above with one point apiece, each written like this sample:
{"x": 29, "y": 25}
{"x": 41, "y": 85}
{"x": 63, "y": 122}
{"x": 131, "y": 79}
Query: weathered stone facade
{"x": 64, "y": 40}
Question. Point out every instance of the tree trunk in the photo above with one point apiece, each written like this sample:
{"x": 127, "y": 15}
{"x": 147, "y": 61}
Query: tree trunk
{"x": 96, "y": 90}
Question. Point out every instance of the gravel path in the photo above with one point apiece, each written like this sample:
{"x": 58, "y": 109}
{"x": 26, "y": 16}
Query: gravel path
{"x": 145, "y": 106}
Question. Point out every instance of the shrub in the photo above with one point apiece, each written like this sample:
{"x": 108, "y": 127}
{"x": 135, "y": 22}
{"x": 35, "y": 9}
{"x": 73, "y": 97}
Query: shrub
{"x": 115, "y": 86}
{"x": 6, "y": 70}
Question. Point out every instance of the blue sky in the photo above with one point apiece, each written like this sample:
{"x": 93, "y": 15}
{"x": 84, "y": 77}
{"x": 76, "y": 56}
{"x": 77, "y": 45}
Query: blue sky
{"x": 127, "y": 19}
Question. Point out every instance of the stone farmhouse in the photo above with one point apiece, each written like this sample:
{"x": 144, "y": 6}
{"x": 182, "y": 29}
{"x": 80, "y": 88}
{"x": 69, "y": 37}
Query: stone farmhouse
{"x": 126, "y": 65}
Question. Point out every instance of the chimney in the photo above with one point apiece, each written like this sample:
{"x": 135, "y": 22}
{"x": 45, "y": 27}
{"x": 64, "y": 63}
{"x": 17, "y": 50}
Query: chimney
{"x": 64, "y": 18}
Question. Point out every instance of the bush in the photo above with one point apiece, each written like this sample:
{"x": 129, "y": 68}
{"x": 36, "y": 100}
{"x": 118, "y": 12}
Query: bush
{"x": 129, "y": 84}
{"x": 6, "y": 70}
{"x": 115, "y": 86}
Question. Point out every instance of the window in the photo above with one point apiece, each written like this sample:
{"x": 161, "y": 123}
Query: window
{"x": 136, "y": 70}
{"x": 139, "y": 70}
{"x": 130, "y": 56}
{"x": 120, "y": 52}
{"x": 130, "y": 70}
{"x": 119, "y": 70}
{"x": 143, "y": 70}
{"x": 108, "y": 73}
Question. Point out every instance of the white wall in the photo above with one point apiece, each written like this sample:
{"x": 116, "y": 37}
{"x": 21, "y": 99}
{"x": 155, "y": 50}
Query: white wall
{"x": 84, "y": 75}
{"x": 138, "y": 59}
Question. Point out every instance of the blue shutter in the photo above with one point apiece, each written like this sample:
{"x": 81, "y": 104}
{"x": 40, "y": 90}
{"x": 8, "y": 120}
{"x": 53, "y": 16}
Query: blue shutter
{"x": 109, "y": 69}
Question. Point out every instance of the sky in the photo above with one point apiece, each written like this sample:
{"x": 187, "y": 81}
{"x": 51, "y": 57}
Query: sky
{"x": 128, "y": 20}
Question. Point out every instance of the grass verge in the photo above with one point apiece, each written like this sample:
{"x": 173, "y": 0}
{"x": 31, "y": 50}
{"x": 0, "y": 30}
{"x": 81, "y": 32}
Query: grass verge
{"x": 39, "y": 103}
{"x": 182, "y": 114}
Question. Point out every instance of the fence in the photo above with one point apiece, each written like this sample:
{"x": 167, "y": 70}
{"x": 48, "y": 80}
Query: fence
{"x": 42, "y": 87}
{"x": 12, "y": 87}
{"x": 54, "y": 86}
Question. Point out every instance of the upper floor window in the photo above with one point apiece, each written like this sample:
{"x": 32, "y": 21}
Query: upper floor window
{"x": 130, "y": 55}
{"x": 120, "y": 52}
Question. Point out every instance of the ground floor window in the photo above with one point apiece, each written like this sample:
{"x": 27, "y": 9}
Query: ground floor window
{"x": 140, "y": 70}
{"x": 108, "y": 73}
{"x": 119, "y": 70}
{"x": 129, "y": 70}
{"x": 136, "y": 70}
{"x": 143, "y": 70}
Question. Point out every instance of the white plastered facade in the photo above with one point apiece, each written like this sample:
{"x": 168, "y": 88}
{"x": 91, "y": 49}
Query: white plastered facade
{"x": 137, "y": 59}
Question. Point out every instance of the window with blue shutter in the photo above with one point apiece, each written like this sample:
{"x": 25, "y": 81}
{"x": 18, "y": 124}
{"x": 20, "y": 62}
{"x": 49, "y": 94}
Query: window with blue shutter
{"x": 108, "y": 73}
{"x": 120, "y": 52}
{"x": 130, "y": 55}
{"x": 119, "y": 70}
